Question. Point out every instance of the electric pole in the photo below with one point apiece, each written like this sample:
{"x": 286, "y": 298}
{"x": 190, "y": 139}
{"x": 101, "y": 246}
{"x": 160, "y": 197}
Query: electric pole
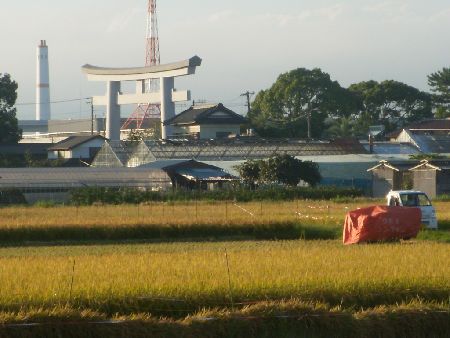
{"x": 91, "y": 103}
{"x": 248, "y": 95}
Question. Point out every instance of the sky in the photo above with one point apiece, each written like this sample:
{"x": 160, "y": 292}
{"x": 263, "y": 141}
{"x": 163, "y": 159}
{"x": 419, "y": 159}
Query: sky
{"x": 244, "y": 45}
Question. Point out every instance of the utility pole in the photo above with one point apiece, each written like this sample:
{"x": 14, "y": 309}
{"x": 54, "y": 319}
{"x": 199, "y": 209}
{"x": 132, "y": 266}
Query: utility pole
{"x": 248, "y": 95}
{"x": 308, "y": 115}
{"x": 91, "y": 102}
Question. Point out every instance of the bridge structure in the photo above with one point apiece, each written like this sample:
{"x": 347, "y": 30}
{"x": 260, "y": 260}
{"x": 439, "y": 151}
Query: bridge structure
{"x": 166, "y": 97}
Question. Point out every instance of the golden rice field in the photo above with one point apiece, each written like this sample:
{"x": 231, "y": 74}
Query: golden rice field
{"x": 182, "y": 278}
{"x": 354, "y": 287}
{"x": 189, "y": 213}
{"x": 179, "y": 213}
{"x": 194, "y": 220}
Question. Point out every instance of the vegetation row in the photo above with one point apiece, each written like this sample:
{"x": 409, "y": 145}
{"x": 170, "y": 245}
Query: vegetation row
{"x": 293, "y": 318}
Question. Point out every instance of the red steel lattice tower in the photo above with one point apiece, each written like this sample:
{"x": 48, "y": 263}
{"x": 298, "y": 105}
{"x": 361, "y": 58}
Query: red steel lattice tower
{"x": 152, "y": 58}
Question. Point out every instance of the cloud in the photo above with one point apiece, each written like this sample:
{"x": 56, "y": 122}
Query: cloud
{"x": 395, "y": 11}
{"x": 121, "y": 22}
{"x": 443, "y": 15}
{"x": 329, "y": 13}
{"x": 220, "y": 16}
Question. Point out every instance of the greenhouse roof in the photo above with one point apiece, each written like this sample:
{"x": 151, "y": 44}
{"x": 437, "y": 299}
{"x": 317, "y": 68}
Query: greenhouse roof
{"x": 83, "y": 177}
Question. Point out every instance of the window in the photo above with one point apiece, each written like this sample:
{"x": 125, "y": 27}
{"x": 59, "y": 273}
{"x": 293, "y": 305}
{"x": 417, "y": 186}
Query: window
{"x": 415, "y": 200}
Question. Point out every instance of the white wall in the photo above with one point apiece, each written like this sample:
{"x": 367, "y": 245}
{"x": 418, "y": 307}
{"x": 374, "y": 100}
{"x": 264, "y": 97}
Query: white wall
{"x": 210, "y": 131}
{"x": 82, "y": 151}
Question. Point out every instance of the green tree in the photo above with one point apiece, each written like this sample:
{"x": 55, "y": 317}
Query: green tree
{"x": 440, "y": 86}
{"x": 9, "y": 129}
{"x": 341, "y": 127}
{"x": 249, "y": 172}
{"x": 283, "y": 110}
{"x": 283, "y": 169}
{"x": 391, "y": 103}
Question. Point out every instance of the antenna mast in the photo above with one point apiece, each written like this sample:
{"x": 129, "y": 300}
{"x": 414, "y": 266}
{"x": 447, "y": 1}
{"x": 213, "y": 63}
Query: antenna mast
{"x": 152, "y": 58}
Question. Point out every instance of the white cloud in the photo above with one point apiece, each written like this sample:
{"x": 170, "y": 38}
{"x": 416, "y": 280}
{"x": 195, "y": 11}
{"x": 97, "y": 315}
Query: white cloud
{"x": 121, "y": 22}
{"x": 330, "y": 13}
{"x": 220, "y": 16}
{"x": 395, "y": 11}
{"x": 443, "y": 15}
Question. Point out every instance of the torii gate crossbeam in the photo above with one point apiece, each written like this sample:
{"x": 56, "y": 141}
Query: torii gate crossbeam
{"x": 166, "y": 97}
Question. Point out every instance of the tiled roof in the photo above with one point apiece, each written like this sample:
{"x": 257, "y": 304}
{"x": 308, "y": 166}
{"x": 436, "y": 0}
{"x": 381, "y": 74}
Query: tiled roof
{"x": 73, "y": 142}
{"x": 217, "y": 114}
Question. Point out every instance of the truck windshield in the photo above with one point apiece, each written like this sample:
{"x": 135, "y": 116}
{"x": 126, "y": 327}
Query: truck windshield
{"x": 415, "y": 200}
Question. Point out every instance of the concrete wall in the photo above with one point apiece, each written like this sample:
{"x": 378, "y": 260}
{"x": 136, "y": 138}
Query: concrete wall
{"x": 75, "y": 126}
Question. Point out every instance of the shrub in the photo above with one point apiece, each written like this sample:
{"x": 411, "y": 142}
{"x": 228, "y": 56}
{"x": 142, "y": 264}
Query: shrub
{"x": 11, "y": 196}
{"x": 89, "y": 196}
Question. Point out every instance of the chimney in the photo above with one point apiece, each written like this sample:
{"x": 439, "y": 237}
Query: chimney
{"x": 42, "y": 83}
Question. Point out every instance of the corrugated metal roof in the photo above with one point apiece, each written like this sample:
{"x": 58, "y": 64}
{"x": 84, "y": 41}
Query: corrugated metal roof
{"x": 392, "y": 148}
{"x": 205, "y": 174}
{"x": 432, "y": 143}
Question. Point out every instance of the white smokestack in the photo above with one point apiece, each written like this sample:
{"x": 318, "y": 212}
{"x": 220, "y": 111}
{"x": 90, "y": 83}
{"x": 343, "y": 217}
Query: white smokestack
{"x": 42, "y": 83}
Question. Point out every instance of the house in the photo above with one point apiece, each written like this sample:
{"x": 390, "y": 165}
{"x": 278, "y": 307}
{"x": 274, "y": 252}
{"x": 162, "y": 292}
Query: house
{"x": 206, "y": 122}
{"x": 429, "y": 136}
{"x": 78, "y": 147}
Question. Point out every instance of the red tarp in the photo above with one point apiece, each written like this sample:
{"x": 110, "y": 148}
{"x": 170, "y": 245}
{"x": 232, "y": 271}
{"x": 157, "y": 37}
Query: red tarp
{"x": 381, "y": 223}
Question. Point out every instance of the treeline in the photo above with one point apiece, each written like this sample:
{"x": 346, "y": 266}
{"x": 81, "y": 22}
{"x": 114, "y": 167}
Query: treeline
{"x": 89, "y": 196}
{"x": 93, "y": 195}
{"x": 303, "y": 95}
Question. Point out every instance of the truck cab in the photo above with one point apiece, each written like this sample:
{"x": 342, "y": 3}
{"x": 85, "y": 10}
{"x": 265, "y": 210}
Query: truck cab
{"x": 416, "y": 199}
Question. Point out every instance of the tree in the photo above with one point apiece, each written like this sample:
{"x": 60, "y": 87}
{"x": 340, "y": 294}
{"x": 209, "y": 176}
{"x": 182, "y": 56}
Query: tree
{"x": 284, "y": 109}
{"x": 9, "y": 128}
{"x": 249, "y": 172}
{"x": 440, "y": 86}
{"x": 391, "y": 103}
{"x": 340, "y": 128}
{"x": 283, "y": 169}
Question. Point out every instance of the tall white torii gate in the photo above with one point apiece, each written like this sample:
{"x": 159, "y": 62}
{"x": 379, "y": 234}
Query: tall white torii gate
{"x": 166, "y": 97}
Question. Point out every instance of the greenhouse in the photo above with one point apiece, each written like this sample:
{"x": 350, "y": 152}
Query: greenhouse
{"x": 130, "y": 154}
{"x": 56, "y": 183}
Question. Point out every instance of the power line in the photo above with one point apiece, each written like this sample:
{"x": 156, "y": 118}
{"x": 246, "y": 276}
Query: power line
{"x": 60, "y": 101}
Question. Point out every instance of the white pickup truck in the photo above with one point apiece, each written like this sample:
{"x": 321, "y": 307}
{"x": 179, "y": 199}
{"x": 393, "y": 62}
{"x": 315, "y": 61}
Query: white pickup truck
{"x": 417, "y": 199}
